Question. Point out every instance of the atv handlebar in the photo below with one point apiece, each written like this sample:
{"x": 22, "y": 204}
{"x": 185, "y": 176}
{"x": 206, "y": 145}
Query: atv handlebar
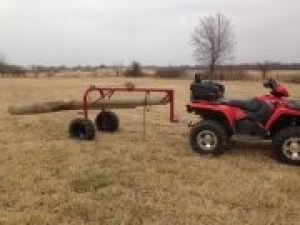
{"x": 270, "y": 83}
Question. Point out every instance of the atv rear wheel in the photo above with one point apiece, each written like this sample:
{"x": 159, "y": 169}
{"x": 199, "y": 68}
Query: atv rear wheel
{"x": 208, "y": 137}
{"x": 286, "y": 145}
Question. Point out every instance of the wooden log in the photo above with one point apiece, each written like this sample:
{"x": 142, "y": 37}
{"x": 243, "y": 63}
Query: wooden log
{"x": 55, "y": 106}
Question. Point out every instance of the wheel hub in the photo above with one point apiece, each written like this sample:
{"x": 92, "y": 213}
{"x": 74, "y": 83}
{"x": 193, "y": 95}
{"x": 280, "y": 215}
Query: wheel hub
{"x": 207, "y": 140}
{"x": 291, "y": 148}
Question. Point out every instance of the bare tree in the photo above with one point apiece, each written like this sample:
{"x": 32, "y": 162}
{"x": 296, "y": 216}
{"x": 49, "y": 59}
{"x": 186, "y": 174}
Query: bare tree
{"x": 2, "y": 65}
{"x": 2, "y": 59}
{"x": 213, "y": 40}
{"x": 264, "y": 68}
{"x": 135, "y": 70}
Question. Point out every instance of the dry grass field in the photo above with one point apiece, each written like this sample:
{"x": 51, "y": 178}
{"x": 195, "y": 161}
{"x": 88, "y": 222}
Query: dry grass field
{"x": 47, "y": 178}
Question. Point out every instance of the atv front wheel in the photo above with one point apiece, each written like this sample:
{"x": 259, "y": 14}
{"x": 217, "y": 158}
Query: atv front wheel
{"x": 208, "y": 137}
{"x": 286, "y": 145}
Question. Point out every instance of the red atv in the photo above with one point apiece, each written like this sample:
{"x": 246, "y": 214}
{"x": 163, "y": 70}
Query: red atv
{"x": 266, "y": 117}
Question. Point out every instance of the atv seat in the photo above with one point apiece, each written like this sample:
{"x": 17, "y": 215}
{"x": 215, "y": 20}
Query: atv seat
{"x": 294, "y": 104}
{"x": 248, "y": 105}
{"x": 255, "y": 109}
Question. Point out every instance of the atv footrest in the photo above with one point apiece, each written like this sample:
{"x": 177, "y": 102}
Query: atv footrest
{"x": 294, "y": 104}
{"x": 248, "y": 138}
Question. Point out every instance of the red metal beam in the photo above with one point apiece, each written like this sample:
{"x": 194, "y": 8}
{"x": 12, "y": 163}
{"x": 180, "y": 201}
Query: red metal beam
{"x": 105, "y": 92}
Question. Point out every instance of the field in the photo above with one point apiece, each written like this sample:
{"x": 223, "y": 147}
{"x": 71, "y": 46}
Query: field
{"x": 47, "y": 178}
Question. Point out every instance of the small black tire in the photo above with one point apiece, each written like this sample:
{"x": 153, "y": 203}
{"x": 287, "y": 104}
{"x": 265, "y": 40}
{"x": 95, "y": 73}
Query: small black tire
{"x": 107, "y": 121}
{"x": 206, "y": 133}
{"x": 82, "y": 129}
{"x": 286, "y": 146}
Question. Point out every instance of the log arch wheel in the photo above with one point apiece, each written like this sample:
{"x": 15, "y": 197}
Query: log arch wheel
{"x": 107, "y": 121}
{"x": 82, "y": 129}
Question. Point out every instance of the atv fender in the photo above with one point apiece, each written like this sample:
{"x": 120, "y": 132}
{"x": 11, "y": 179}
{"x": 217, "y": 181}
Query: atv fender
{"x": 281, "y": 119}
{"x": 282, "y": 113}
{"x": 216, "y": 111}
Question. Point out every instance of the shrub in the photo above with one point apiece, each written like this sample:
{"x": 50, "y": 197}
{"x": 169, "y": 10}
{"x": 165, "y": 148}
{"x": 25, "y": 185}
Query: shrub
{"x": 232, "y": 74}
{"x": 170, "y": 72}
{"x": 134, "y": 71}
{"x": 228, "y": 74}
{"x": 289, "y": 78}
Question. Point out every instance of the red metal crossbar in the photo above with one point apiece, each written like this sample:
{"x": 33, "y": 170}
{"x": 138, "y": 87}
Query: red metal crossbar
{"x": 106, "y": 92}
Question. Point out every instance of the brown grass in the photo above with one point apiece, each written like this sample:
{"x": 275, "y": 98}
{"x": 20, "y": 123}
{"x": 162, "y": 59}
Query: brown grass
{"x": 47, "y": 178}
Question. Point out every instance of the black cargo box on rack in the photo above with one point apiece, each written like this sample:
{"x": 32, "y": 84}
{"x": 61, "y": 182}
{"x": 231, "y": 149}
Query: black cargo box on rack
{"x": 204, "y": 89}
{"x": 209, "y": 91}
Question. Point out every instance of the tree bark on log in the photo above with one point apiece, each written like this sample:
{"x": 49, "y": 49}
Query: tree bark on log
{"x": 55, "y": 106}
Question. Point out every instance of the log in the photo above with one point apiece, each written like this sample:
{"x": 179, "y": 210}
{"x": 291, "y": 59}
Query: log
{"x": 55, "y": 106}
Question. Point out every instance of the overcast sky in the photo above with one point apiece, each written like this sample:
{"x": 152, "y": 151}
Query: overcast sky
{"x": 94, "y": 32}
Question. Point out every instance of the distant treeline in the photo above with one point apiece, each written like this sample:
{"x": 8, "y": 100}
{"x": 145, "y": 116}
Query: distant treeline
{"x": 18, "y": 71}
{"x": 269, "y": 66}
{"x": 254, "y": 66}
{"x": 65, "y": 68}
{"x": 12, "y": 70}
